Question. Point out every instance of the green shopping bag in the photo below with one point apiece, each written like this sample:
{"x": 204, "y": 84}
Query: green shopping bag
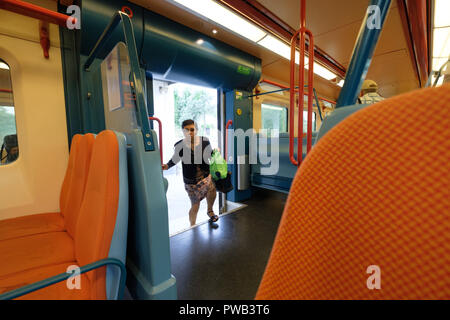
{"x": 218, "y": 166}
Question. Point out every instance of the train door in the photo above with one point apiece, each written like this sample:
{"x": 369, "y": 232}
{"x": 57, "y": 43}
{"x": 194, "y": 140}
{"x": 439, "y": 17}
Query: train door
{"x": 175, "y": 102}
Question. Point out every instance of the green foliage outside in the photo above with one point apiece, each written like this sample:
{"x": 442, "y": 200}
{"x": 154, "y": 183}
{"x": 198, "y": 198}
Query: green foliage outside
{"x": 7, "y": 122}
{"x": 194, "y": 105}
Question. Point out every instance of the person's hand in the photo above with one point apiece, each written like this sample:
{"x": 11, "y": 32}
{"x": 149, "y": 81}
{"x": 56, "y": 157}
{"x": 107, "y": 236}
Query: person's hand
{"x": 165, "y": 167}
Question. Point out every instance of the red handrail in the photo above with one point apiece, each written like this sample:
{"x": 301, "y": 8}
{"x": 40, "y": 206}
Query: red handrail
{"x": 229, "y": 123}
{"x": 302, "y": 32}
{"x": 34, "y": 11}
{"x": 160, "y": 137}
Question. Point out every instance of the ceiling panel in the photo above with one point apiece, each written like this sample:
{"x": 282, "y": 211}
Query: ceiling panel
{"x": 392, "y": 72}
{"x": 321, "y": 15}
{"x": 335, "y": 25}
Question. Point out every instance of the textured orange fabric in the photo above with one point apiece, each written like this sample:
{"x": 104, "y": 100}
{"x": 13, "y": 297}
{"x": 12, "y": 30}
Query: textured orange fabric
{"x": 98, "y": 212}
{"x": 29, "y": 259}
{"x": 375, "y": 190}
{"x": 34, "y": 251}
{"x": 29, "y": 225}
{"x": 76, "y": 139}
{"x": 78, "y": 183}
{"x": 58, "y": 291}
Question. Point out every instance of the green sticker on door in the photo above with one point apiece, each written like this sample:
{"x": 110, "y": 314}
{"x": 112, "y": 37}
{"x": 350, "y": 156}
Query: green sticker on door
{"x": 244, "y": 70}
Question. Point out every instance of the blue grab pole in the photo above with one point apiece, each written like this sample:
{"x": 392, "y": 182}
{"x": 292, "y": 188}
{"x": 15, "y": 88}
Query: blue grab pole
{"x": 317, "y": 104}
{"x": 362, "y": 53}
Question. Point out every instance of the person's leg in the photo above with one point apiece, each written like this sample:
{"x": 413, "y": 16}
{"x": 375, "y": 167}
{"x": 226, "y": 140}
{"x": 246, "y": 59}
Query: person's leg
{"x": 193, "y": 212}
{"x": 210, "y": 198}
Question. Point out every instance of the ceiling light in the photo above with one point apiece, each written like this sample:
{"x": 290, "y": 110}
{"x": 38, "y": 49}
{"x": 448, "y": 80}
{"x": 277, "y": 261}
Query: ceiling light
{"x": 214, "y": 31}
{"x": 441, "y": 16}
{"x": 281, "y": 48}
{"x": 284, "y": 50}
{"x": 323, "y": 72}
{"x": 4, "y": 66}
{"x": 225, "y": 17}
{"x": 199, "y": 41}
{"x": 276, "y": 45}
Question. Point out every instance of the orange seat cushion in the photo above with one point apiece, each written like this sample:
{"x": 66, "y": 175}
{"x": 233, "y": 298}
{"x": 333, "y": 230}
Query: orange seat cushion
{"x": 374, "y": 191}
{"x": 54, "y": 292}
{"x": 35, "y": 251}
{"x": 29, "y": 225}
{"x": 88, "y": 236}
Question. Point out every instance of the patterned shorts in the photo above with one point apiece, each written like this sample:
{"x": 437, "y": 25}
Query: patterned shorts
{"x": 197, "y": 192}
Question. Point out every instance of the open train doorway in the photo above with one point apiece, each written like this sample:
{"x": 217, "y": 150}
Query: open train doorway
{"x": 175, "y": 102}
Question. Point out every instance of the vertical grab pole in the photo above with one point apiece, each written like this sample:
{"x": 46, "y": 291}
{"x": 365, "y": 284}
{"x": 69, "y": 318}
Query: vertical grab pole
{"x": 292, "y": 98}
{"x": 160, "y": 137}
{"x": 363, "y": 51}
{"x": 303, "y": 31}
{"x": 310, "y": 91}
{"x": 229, "y": 123}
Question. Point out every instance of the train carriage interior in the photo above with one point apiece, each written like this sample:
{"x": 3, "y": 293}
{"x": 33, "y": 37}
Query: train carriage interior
{"x": 319, "y": 133}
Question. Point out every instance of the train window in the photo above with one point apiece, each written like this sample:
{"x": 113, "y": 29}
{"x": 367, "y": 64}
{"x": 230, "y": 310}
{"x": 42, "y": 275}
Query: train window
{"x": 274, "y": 118}
{"x": 305, "y": 121}
{"x": 8, "y": 136}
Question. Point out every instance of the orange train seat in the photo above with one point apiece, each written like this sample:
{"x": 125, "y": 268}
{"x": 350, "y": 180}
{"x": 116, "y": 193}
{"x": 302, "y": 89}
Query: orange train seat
{"x": 368, "y": 213}
{"x": 72, "y": 191}
{"x": 100, "y": 232}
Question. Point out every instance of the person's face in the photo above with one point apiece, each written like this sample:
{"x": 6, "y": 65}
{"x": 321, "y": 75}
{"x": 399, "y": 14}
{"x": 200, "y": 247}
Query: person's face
{"x": 189, "y": 131}
{"x": 14, "y": 151}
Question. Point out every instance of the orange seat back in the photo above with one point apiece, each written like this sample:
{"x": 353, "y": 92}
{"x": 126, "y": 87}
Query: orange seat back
{"x": 368, "y": 214}
{"x": 78, "y": 178}
{"x": 76, "y": 139}
{"x": 97, "y": 217}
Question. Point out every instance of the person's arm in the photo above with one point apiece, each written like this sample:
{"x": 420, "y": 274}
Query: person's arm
{"x": 208, "y": 151}
{"x": 177, "y": 155}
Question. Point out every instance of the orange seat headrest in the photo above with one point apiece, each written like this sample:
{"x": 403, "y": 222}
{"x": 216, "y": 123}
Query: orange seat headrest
{"x": 368, "y": 214}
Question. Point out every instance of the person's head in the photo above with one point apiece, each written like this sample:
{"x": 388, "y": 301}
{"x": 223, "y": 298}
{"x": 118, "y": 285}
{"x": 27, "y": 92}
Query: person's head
{"x": 189, "y": 128}
{"x": 11, "y": 147}
{"x": 368, "y": 86}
